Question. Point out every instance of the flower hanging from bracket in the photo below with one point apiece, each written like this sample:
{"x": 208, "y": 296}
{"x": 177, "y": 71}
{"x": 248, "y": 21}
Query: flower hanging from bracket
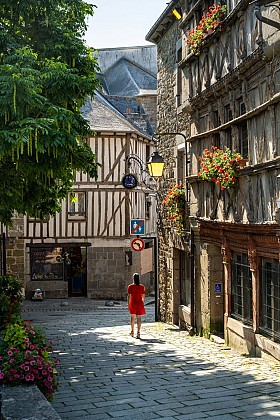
{"x": 175, "y": 204}
{"x": 219, "y": 166}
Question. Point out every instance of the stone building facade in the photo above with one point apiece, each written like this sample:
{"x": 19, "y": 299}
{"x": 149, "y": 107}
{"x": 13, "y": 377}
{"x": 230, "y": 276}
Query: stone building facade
{"x": 225, "y": 94}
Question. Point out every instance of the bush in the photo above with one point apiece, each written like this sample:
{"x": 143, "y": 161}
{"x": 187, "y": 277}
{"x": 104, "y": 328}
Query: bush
{"x": 26, "y": 358}
{"x": 24, "y": 348}
{"x": 10, "y": 299}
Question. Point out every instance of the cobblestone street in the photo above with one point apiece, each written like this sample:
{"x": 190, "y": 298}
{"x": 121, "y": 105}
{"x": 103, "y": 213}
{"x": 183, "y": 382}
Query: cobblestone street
{"x": 105, "y": 373}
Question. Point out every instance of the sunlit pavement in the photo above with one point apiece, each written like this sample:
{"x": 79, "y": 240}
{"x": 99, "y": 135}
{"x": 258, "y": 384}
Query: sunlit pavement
{"x": 106, "y": 374}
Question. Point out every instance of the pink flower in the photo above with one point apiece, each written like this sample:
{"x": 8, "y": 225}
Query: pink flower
{"x": 1, "y": 375}
{"x": 10, "y": 353}
{"x": 11, "y": 360}
{"x": 26, "y": 368}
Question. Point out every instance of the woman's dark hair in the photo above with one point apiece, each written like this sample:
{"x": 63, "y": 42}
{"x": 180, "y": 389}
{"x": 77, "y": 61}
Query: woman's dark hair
{"x": 136, "y": 279}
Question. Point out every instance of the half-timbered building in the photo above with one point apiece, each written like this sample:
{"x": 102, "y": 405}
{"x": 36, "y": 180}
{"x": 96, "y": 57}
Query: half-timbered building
{"x": 85, "y": 250}
{"x": 224, "y": 92}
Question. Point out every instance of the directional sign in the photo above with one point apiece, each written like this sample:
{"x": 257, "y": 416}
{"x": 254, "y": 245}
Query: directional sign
{"x": 137, "y": 244}
{"x": 137, "y": 226}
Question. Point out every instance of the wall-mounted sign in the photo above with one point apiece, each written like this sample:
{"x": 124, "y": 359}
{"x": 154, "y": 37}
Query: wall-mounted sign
{"x": 218, "y": 288}
{"x": 137, "y": 244}
{"x": 137, "y": 226}
{"x": 129, "y": 181}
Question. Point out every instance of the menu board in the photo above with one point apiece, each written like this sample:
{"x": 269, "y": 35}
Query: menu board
{"x": 46, "y": 263}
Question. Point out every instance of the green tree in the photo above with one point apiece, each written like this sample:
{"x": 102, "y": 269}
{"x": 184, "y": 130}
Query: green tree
{"x": 46, "y": 74}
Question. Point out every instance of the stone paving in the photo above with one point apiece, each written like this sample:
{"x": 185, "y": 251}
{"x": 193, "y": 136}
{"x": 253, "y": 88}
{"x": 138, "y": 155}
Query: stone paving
{"x": 167, "y": 375}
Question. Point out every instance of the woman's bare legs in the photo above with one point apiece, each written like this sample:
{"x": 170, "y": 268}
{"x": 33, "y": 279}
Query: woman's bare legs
{"x": 132, "y": 323}
{"x": 139, "y": 323}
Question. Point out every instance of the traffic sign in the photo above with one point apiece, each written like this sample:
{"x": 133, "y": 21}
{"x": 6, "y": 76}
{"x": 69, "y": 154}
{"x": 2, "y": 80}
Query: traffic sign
{"x": 137, "y": 226}
{"x": 137, "y": 244}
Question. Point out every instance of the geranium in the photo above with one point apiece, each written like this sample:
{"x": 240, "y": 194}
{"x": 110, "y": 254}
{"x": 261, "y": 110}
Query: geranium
{"x": 219, "y": 166}
{"x": 208, "y": 23}
{"x": 175, "y": 204}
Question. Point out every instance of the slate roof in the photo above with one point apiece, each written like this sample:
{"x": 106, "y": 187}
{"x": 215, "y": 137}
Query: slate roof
{"x": 103, "y": 116}
{"x": 125, "y": 78}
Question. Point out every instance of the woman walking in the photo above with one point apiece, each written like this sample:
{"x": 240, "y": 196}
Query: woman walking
{"x": 135, "y": 301}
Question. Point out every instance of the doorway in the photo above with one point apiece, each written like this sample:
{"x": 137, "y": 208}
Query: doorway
{"x": 76, "y": 271}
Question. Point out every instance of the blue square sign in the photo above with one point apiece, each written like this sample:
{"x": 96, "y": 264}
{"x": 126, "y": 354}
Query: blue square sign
{"x": 137, "y": 227}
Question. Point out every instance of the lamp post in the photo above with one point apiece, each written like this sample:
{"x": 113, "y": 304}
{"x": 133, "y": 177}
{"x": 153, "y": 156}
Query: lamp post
{"x": 154, "y": 169}
{"x": 154, "y": 137}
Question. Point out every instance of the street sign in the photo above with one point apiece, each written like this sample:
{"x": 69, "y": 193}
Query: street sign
{"x": 137, "y": 226}
{"x": 218, "y": 287}
{"x": 137, "y": 244}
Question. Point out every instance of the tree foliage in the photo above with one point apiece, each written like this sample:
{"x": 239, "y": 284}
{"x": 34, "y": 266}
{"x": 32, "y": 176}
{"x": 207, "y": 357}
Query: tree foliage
{"x": 46, "y": 74}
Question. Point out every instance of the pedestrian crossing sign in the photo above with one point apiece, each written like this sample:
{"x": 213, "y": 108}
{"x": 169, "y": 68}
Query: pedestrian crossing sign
{"x": 137, "y": 226}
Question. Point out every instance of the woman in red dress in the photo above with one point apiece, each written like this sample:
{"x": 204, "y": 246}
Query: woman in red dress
{"x": 135, "y": 300}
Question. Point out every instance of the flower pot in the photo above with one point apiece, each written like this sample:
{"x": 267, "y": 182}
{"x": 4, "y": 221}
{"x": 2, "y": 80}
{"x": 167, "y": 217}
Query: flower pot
{"x": 242, "y": 163}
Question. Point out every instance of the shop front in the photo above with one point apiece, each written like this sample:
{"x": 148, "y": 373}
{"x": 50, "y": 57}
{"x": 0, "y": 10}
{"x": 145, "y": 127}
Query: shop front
{"x": 59, "y": 271}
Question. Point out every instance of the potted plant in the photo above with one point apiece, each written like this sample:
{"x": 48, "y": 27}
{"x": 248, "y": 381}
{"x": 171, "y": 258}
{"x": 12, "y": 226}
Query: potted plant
{"x": 220, "y": 166}
{"x": 207, "y": 25}
{"x": 175, "y": 204}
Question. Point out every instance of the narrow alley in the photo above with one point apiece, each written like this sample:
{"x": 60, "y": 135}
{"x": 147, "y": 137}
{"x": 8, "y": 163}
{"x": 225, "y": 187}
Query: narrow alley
{"x": 104, "y": 373}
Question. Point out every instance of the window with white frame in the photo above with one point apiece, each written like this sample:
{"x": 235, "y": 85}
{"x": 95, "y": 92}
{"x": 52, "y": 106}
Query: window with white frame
{"x": 77, "y": 205}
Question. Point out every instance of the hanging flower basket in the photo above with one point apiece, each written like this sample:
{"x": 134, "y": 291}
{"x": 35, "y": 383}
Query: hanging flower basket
{"x": 220, "y": 166}
{"x": 175, "y": 204}
{"x": 213, "y": 18}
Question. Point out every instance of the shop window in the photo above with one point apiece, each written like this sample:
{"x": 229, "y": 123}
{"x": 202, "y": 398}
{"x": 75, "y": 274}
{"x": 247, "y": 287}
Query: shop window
{"x": 46, "y": 263}
{"x": 77, "y": 205}
{"x": 241, "y": 289}
{"x": 270, "y": 302}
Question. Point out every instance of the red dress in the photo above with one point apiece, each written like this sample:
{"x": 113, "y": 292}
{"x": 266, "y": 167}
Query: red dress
{"x": 136, "y": 304}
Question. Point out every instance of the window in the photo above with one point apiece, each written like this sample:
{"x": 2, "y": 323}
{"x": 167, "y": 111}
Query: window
{"x": 243, "y": 140}
{"x": 270, "y": 304}
{"x": 185, "y": 282}
{"x": 241, "y": 289}
{"x": 241, "y": 109}
{"x": 216, "y": 119}
{"x": 228, "y": 138}
{"x": 228, "y": 113}
{"x": 179, "y": 79}
{"x": 77, "y": 205}
{"x": 46, "y": 263}
{"x": 148, "y": 203}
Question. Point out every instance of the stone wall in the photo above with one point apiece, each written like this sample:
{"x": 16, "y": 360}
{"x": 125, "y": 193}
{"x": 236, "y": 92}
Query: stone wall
{"x": 15, "y": 248}
{"x": 168, "y": 121}
{"x": 109, "y": 273}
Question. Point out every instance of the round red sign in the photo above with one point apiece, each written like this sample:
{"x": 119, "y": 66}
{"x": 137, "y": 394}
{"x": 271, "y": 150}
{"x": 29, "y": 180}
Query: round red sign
{"x": 137, "y": 244}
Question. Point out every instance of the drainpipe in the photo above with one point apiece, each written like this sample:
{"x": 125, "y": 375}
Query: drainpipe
{"x": 264, "y": 19}
{"x": 192, "y": 276}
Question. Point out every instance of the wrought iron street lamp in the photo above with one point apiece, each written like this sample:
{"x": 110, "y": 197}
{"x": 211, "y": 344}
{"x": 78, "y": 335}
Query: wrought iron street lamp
{"x": 155, "y": 165}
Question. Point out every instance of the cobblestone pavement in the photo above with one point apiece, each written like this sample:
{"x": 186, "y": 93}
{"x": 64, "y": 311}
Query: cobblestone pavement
{"x": 106, "y": 374}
